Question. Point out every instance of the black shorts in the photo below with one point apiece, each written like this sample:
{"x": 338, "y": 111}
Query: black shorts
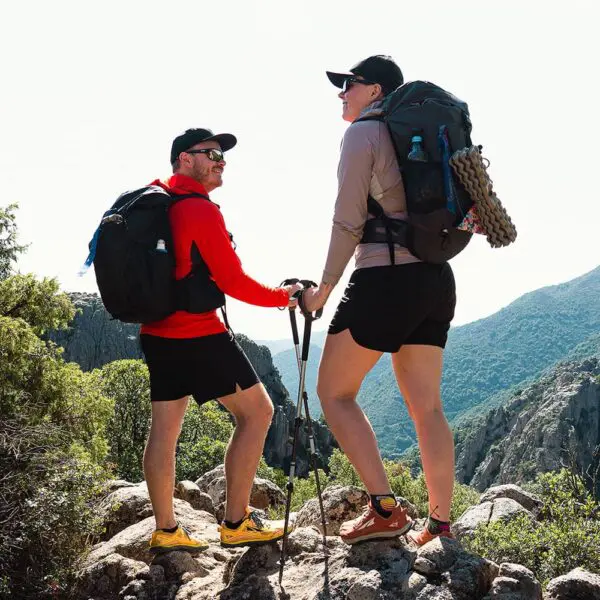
{"x": 206, "y": 367}
{"x": 387, "y": 307}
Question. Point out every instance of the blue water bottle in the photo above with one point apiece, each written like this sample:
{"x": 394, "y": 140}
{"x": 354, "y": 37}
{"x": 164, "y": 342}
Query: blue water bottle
{"x": 417, "y": 152}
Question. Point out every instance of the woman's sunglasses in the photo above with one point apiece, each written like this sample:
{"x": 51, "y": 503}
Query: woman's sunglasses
{"x": 350, "y": 81}
{"x": 211, "y": 153}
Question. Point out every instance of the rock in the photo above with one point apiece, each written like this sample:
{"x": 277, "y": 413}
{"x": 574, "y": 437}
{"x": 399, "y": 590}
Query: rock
{"x": 106, "y": 577}
{"x": 264, "y": 493}
{"x": 190, "y": 492}
{"x": 578, "y": 584}
{"x": 132, "y": 542}
{"x": 114, "y": 484}
{"x": 527, "y": 434}
{"x": 340, "y": 503}
{"x": 504, "y": 509}
{"x": 466, "y": 576}
{"x": 528, "y": 501}
{"x": 514, "y": 582}
{"x": 129, "y": 505}
{"x": 367, "y": 587}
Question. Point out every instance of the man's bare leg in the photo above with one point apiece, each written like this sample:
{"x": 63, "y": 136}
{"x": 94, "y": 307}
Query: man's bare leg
{"x": 159, "y": 458}
{"x": 252, "y": 410}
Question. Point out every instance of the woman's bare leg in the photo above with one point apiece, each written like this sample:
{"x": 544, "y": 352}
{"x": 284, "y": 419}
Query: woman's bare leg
{"x": 418, "y": 370}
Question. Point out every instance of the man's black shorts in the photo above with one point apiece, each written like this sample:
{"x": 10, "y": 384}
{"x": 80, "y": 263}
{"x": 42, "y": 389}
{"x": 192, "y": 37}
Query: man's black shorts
{"x": 206, "y": 367}
{"x": 387, "y": 307}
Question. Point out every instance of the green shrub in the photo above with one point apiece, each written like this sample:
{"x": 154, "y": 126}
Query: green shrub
{"x": 204, "y": 436}
{"x": 567, "y": 536}
{"x": 127, "y": 384}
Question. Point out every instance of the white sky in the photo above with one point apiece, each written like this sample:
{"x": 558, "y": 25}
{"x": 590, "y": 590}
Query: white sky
{"x": 93, "y": 94}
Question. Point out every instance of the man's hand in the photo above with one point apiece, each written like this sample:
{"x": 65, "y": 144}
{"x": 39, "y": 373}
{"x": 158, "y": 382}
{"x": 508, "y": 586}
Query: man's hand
{"x": 291, "y": 290}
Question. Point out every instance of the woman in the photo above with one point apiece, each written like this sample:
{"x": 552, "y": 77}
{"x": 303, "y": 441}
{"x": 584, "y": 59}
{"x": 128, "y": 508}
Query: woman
{"x": 404, "y": 309}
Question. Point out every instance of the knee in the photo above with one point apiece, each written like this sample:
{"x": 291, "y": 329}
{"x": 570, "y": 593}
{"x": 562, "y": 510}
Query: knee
{"x": 330, "y": 397}
{"x": 259, "y": 412}
{"x": 426, "y": 411}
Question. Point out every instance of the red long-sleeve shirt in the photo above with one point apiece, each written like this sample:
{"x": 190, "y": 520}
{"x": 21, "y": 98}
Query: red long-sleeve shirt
{"x": 198, "y": 220}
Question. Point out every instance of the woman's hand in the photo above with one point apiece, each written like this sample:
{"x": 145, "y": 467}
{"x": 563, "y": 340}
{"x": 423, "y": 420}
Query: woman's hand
{"x": 315, "y": 298}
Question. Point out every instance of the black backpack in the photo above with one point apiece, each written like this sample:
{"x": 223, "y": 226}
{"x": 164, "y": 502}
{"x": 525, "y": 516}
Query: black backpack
{"x": 134, "y": 260}
{"x": 436, "y": 200}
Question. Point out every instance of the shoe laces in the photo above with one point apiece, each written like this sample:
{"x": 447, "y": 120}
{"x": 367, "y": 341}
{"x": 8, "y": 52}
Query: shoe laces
{"x": 256, "y": 519}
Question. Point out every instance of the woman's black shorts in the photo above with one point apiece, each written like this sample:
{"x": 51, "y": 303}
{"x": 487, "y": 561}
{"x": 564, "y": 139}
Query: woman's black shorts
{"x": 206, "y": 367}
{"x": 387, "y": 307}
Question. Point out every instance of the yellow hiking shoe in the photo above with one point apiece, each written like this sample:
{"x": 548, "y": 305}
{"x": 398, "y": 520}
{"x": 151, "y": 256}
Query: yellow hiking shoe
{"x": 180, "y": 539}
{"x": 253, "y": 531}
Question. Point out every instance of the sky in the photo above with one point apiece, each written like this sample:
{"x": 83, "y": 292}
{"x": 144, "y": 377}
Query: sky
{"x": 94, "y": 93}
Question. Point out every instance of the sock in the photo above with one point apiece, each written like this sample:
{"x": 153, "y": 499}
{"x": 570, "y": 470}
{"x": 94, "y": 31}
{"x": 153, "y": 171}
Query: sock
{"x": 232, "y": 525}
{"x": 383, "y": 504}
{"x": 436, "y": 527}
{"x": 171, "y": 530}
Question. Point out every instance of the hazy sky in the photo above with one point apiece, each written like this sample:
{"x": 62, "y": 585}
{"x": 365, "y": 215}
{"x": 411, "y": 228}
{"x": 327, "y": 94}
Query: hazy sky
{"x": 93, "y": 94}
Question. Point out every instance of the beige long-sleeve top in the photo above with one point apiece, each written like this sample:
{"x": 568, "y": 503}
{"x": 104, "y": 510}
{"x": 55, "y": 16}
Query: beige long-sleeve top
{"x": 368, "y": 165}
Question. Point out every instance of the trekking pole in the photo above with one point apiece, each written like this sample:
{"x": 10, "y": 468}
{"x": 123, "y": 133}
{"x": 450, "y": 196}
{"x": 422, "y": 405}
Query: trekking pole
{"x": 302, "y": 359}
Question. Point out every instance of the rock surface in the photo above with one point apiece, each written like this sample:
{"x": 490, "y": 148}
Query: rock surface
{"x": 122, "y": 567}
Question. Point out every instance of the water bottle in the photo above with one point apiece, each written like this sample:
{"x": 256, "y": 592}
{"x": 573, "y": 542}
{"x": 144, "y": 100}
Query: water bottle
{"x": 417, "y": 152}
{"x": 161, "y": 246}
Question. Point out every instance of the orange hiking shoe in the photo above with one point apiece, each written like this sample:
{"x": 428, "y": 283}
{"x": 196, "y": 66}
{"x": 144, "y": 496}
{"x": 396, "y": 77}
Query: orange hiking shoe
{"x": 371, "y": 525}
{"x": 420, "y": 538}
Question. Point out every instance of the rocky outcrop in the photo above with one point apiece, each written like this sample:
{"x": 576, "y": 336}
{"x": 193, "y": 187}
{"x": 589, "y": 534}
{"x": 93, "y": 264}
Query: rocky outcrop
{"x": 94, "y": 339}
{"x": 121, "y": 567}
{"x": 530, "y": 433}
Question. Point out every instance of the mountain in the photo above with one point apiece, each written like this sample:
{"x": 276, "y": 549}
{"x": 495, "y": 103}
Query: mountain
{"x": 317, "y": 338}
{"x": 94, "y": 339}
{"x": 486, "y": 357}
{"x": 551, "y": 422}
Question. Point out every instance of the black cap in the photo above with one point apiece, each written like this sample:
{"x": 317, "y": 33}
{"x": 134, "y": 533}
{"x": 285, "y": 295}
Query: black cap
{"x": 378, "y": 69}
{"x": 191, "y": 137}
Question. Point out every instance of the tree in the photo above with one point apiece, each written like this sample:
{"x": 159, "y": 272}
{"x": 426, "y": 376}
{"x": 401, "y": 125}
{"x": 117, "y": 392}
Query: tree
{"x": 9, "y": 248}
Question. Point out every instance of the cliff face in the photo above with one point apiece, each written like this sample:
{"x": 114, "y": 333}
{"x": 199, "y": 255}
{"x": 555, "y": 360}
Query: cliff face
{"x": 535, "y": 430}
{"x": 94, "y": 339}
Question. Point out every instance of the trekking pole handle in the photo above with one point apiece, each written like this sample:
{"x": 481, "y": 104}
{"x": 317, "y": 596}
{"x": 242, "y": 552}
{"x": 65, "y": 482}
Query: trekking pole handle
{"x": 286, "y": 282}
{"x": 307, "y": 283}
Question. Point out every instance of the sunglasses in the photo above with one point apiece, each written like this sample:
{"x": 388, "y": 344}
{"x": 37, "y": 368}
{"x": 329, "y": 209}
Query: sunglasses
{"x": 211, "y": 153}
{"x": 350, "y": 81}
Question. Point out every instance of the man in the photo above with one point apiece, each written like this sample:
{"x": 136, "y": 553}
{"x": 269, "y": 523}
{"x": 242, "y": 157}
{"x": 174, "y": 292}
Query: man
{"x": 192, "y": 353}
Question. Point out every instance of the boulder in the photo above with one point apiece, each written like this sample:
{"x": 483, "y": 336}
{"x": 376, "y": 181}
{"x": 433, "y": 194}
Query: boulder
{"x": 129, "y": 505}
{"x": 578, "y": 584}
{"x": 504, "y": 509}
{"x": 340, "y": 503}
{"x": 527, "y": 500}
{"x": 190, "y": 492}
{"x": 514, "y": 582}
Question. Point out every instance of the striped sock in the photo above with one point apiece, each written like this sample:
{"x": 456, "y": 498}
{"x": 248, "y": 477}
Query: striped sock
{"x": 435, "y": 527}
{"x": 384, "y": 504}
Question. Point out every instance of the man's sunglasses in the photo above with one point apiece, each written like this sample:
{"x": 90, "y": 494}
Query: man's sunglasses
{"x": 211, "y": 153}
{"x": 350, "y": 81}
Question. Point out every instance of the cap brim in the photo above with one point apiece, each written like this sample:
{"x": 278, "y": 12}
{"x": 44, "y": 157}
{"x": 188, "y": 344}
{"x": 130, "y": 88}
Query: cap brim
{"x": 226, "y": 140}
{"x": 337, "y": 78}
